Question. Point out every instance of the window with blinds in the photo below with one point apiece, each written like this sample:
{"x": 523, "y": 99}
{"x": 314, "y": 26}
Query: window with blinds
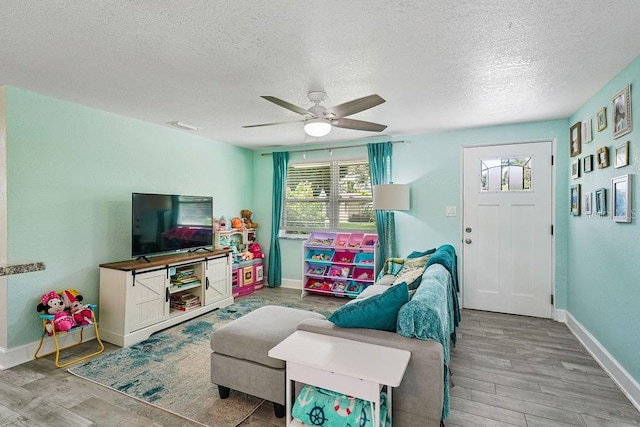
{"x": 328, "y": 195}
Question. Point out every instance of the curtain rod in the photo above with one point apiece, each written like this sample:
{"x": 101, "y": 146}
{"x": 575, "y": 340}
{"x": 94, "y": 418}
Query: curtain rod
{"x": 330, "y": 148}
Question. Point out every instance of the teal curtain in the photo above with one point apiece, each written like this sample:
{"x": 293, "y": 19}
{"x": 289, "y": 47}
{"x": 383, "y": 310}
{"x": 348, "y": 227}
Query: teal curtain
{"x": 280, "y": 161}
{"x": 380, "y": 170}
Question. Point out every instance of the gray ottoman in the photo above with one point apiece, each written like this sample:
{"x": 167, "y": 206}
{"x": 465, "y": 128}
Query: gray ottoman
{"x": 239, "y": 357}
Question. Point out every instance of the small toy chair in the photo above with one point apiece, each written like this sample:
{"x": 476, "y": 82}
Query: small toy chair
{"x": 47, "y": 320}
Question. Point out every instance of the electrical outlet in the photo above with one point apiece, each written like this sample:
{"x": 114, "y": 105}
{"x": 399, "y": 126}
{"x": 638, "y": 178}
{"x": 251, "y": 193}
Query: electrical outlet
{"x": 450, "y": 211}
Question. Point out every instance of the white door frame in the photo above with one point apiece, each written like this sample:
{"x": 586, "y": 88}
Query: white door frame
{"x": 557, "y": 314}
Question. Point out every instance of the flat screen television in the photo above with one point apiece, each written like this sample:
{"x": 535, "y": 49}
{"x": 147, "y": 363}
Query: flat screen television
{"x": 163, "y": 223}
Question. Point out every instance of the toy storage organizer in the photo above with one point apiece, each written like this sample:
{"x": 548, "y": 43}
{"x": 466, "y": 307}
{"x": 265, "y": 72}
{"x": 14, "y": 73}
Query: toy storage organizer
{"x": 247, "y": 276}
{"x": 338, "y": 263}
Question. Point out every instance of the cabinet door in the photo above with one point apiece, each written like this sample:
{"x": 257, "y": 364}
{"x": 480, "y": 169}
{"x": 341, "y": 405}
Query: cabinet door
{"x": 147, "y": 300}
{"x": 217, "y": 281}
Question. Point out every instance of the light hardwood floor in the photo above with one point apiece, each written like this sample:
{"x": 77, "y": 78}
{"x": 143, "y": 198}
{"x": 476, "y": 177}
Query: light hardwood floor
{"x": 507, "y": 370}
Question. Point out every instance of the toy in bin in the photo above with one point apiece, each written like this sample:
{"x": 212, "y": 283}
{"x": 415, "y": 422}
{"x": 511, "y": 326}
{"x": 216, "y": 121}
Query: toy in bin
{"x": 339, "y": 272}
{"x": 319, "y": 285}
{"x": 354, "y": 288}
{"x": 339, "y": 287}
{"x": 320, "y": 256}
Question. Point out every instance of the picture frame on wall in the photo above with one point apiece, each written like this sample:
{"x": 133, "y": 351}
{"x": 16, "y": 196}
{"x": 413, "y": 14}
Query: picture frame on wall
{"x": 586, "y": 131}
{"x": 621, "y": 157}
{"x": 601, "y": 202}
{"x": 621, "y": 198}
{"x": 602, "y": 157}
{"x": 587, "y": 163}
{"x": 575, "y": 146}
{"x": 587, "y": 201}
{"x": 601, "y": 119}
{"x": 621, "y": 116}
{"x": 575, "y": 169}
{"x": 574, "y": 195}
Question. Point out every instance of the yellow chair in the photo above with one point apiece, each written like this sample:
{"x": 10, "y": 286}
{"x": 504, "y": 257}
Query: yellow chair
{"x": 47, "y": 320}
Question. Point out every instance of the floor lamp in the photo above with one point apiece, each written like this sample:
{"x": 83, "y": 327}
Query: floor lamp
{"x": 390, "y": 198}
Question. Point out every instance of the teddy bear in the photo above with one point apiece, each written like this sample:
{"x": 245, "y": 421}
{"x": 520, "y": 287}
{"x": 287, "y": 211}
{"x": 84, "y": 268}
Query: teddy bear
{"x": 246, "y": 219}
{"x": 81, "y": 313}
{"x": 256, "y": 250}
{"x": 53, "y": 304}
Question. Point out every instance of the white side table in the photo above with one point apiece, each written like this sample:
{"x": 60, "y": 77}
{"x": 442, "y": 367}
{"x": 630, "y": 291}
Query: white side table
{"x": 345, "y": 366}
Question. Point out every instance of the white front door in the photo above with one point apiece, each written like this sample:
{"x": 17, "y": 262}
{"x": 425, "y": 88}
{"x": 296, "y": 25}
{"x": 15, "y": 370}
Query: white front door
{"x": 507, "y": 228}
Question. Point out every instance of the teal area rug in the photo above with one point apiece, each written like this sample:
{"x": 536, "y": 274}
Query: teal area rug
{"x": 171, "y": 369}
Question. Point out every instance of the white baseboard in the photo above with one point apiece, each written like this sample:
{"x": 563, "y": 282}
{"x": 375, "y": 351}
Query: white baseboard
{"x": 291, "y": 284}
{"x": 618, "y": 374}
{"x": 561, "y": 316}
{"x": 24, "y": 353}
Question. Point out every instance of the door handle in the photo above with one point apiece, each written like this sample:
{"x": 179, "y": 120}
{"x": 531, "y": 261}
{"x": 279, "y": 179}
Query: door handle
{"x": 467, "y": 241}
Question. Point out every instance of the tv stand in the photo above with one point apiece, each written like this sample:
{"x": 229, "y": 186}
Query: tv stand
{"x": 142, "y": 296}
{"x": 142, "y": 257}
{"x": 192, "y": 251}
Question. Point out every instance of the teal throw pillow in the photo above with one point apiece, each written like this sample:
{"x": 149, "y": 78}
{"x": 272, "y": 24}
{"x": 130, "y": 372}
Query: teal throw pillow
{"x": 375, "y": 312}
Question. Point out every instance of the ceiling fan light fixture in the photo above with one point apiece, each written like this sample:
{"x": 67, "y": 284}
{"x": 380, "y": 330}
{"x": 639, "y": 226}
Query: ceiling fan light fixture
{"x": 317, "y": 127}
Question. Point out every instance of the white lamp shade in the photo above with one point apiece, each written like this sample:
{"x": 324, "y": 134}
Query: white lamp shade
{"x": 391, "y": 197}
{"x": 317, "y": 127}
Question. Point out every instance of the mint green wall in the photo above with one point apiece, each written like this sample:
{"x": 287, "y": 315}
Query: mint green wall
{"x": 603, "y": 289}
{"x": 431, "y": 164}
{"x": 70, "y": 173}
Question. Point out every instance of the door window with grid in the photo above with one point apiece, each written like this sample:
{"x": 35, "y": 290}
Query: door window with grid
{"x": 328, "y": 195}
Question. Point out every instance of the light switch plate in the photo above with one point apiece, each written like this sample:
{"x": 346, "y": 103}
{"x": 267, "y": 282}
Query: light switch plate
{"x": 450, "y": 211}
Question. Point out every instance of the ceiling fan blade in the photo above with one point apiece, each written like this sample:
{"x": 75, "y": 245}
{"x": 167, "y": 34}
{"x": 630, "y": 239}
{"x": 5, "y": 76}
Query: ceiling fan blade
{"x": 355, "y": 106}
{"x": 288, "y": 106}
{"x": 358, "y": 125}
{"x": 275, "y": 123}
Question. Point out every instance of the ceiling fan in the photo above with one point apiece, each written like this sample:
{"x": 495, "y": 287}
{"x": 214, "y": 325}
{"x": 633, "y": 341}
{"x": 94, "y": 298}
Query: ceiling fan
{"x": 318, "y": 119}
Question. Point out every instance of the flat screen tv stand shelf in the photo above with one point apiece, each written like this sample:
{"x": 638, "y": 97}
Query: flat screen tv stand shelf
{"x": 140, "y": 297}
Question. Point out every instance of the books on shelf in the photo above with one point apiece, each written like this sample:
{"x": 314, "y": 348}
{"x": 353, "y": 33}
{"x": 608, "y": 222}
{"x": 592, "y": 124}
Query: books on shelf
{"x": 184, "y": 277}
{"x": 184, "y": 301}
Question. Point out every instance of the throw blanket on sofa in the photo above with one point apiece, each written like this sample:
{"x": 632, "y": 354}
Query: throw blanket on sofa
{"x": 426, "y": 317}
{"x": 446, "y": 256}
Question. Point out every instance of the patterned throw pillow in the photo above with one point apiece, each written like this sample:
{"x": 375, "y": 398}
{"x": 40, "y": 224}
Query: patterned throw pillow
{"x": 411, "y": 272}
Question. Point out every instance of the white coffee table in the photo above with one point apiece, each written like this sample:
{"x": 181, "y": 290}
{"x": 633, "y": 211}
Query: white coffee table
{"x": 351, "y": 367}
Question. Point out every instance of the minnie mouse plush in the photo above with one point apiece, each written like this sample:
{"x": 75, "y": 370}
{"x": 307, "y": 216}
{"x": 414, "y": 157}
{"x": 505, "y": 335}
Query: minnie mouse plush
{"x": 80, "y": 313}
{"x": 52, "y": 304}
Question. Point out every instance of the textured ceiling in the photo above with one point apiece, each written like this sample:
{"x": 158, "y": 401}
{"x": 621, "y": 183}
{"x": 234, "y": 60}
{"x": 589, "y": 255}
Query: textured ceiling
{"x": 439, "y": 64}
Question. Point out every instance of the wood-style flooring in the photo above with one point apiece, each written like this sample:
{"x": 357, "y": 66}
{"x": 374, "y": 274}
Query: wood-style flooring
{"x": 507, "y": 371}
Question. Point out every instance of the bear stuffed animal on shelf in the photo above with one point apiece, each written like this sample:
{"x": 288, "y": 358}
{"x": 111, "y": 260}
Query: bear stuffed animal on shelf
{"x": 246, "y": 219}
{"x": 53, "y": 304}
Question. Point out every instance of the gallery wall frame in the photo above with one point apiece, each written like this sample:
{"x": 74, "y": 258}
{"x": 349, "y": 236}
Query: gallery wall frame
{"x": 587, "y": 203}
{"x": 601, "y": 202}
{"x": 621, "y": 198}
{"x": 574, "y": 197}
{"x": 601, "y": 119}
{"x": 602, "y": 157}
{"x": 575, "y": 146}
{"x": 585, "y": 133}
{"x": 575, "y": 169}
{"x": 621, "y": 114}
{"x": 621, "y": 157}
{"x": 587, "y": 163}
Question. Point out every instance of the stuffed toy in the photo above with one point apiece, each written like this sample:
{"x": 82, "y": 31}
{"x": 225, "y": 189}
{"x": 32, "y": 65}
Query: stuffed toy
{"x": 256, "y": 250}
{"x": 236, "y": 223}
{"x": 80, "y": 312}
{"x": 53, "y": 304}
{"x": 246, "y": 219}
